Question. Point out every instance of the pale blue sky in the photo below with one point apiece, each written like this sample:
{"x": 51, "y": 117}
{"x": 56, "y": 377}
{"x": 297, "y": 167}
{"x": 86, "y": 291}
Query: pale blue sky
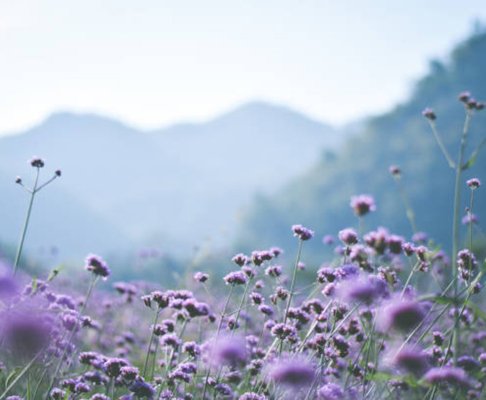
{"x": 156, "y": 62}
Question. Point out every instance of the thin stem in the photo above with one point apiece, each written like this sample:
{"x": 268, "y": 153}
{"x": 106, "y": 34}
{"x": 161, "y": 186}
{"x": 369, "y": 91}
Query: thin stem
{"x": 152, "y": 334}
{"x": 292, "y": 285}
{"x": 455, "y": 226}
{"x": 441, "y": 145}
{"x": 26, "y": 223}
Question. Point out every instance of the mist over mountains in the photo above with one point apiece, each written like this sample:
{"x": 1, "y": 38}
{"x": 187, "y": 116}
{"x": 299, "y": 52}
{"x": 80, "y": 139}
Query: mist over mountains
{"x": 320, "y": 197}
{"x": 174, "y": 188}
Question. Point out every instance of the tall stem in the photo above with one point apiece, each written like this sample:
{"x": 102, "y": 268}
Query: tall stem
{"x": 26, "y": 223}
{"x": 292, "y": 285}
{"x": 152, "y": 334}
{"x": 455, "y": 226}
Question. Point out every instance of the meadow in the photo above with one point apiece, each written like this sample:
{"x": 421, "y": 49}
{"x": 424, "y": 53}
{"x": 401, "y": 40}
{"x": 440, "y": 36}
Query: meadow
{"x": 385, "y": 317}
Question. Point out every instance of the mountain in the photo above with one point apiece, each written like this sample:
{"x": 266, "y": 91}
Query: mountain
{"x": 173, "y": 188}
{"x": 320, "y": 197}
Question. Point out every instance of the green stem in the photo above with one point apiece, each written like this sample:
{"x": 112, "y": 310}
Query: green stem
{"x": 292, "y": 285}
{"x": 26, "y": 223}
{"x": 147, "y": 356}
{"x": 442, "y": 147}
{"x": 455, "y": 226}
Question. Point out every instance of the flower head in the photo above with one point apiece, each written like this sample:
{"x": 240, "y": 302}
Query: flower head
{"x": 473, "y": 183}
{"x": 96, "y": 265}
{"x": 36, "y": 162}
{"x": 302, "y": 233}
{"x": 362, "y": 204}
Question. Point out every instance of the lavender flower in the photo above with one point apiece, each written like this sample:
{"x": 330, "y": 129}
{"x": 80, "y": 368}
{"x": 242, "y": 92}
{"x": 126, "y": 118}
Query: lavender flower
{"x": 429, "y": 114}
{"x": 362, "y": 204}
{"x": 292, "y": 373}
{"x": 411, "y": 360}
{"x": 394, "y": 170}
{"x": 230, "y": 351}
{"x": 302, "y": 233}
{"x": 348, "y": 236}
{"x": 470, "y": 219}
{"x": 473, "y": 183}
{"x": 240, "y": 259}
{"x": 274, "y": 271}
{"x": 235, "y": 278}
{"x": 330, "y": 391}
{"x": 36, "y": 162}
{"x": 201, "y": 277}
{"x": 449, "y": 375}
{"x": 96, "y": 265}
{"x": 401, "y": 315}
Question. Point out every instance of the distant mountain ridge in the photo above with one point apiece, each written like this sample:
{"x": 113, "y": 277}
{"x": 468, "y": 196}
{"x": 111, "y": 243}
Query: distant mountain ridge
{"x": 319, "y": 198}
{"x": 171, "y": 187}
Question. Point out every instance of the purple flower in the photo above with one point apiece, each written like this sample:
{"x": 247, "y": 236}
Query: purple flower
{"x": 449, "y": 375}
{"x": 330, "y": 391}
{"x": 348, "y": 236}
{"x": 362, "y": 204}
{"x": 395, "y": 244}
{"x": 240, "y": 259}
{"x": 411, "y": 360}
{"x": 420, "y": 237}
{"x": 274, "y": 271}
{"x": 256, "y": 298}
{"x": 267, "y": 310}
{"x": 171, "y": 340}
{"x": 466, "y": 260}
{"x": 276, "y": 251}
{"x": 464, "y": 96}
{"x": 473, "y": 183}
{"x": 25, "y": 334}
{"x": 191, "y": 348}
{"x": 292, "y": 373}
{"x": 470, "y": 218}
{"x": 401, "y": 315}
{"x": 142, "y": 389}
{"x": 36, "y": 162}
{"x": 468, "y": 363}
{"x": 394, "y": 170}
{"x": 429, "y": 114}
{"x": 113, "y": 366}
{"x": 328, "y": 239}
{"x": 230, "y": 351}
{"x": 283, "y": 331}
{"x": 195, "y": 308}
{"x": 129, "y": 373}
{"x": 235, "y": 278}
{"x": 302, "y": 233}
{"x": 96, "y": 265}
{"x": 362, "y": 290}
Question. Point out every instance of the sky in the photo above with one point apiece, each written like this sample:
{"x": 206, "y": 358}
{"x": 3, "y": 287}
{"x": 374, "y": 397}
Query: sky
{"x": 152, "y": 63}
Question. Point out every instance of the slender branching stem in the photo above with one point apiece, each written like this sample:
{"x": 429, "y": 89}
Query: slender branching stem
{"x": 26, "y": 223}
{"x": 442, "y": 146}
